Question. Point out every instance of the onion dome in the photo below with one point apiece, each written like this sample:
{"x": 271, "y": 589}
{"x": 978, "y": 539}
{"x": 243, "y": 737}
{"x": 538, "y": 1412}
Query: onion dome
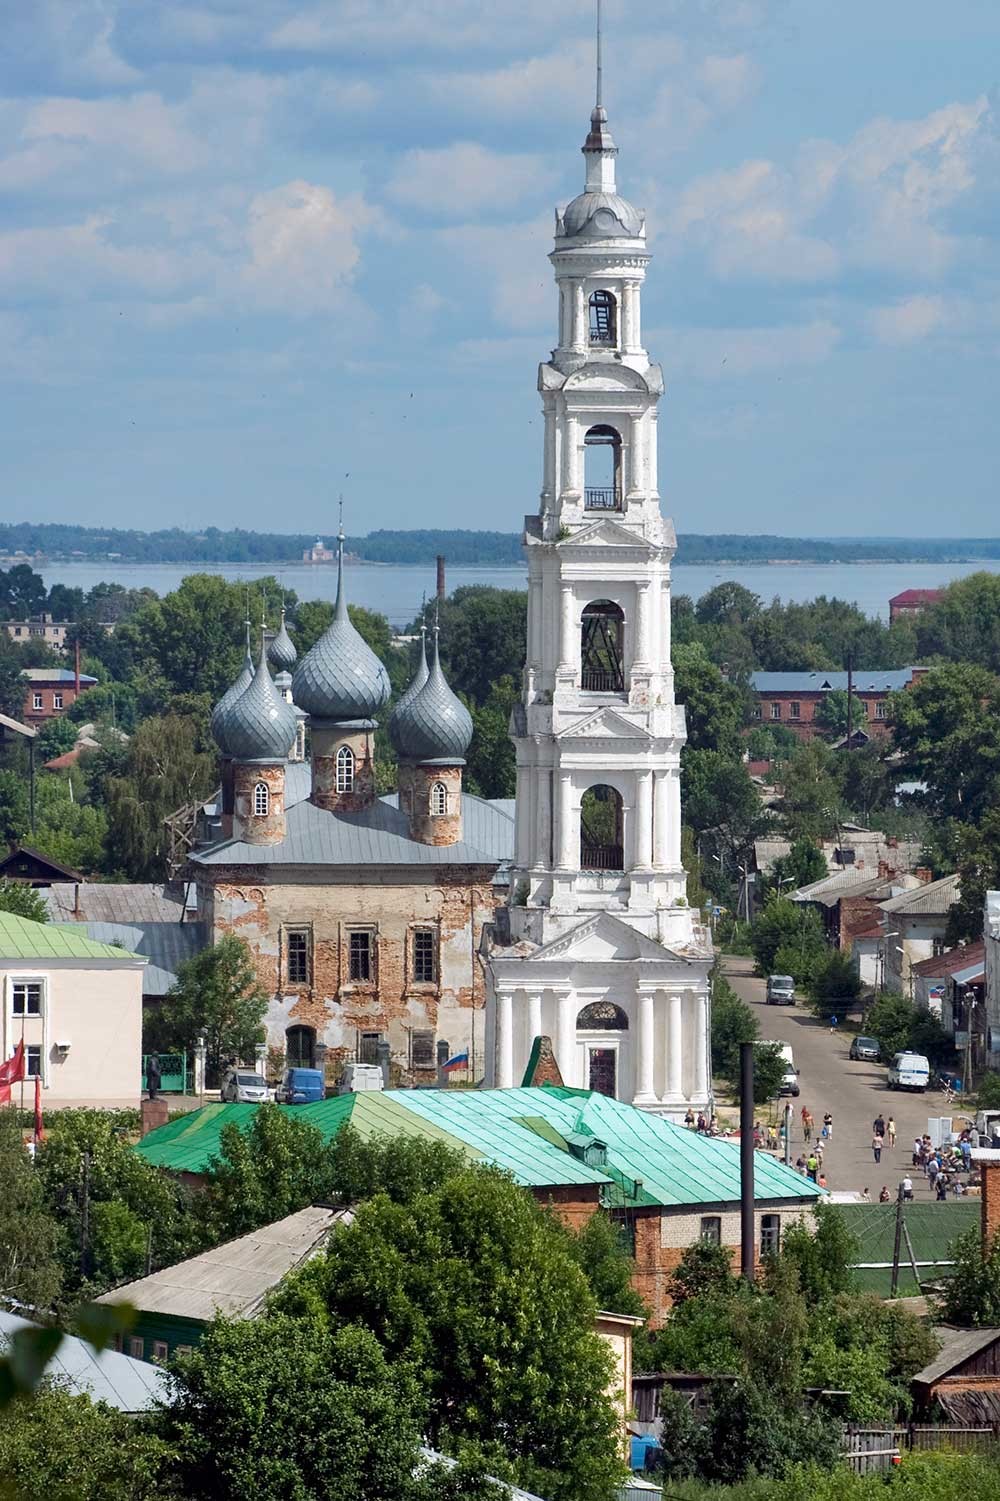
{"x": 602, "y": 214}
{"x": 281, "y": 651}
{"x": 260, "y": 726}
{"x": 435, "y": 726}
{"x": 397, "y": 718}
{"x": 340, "y": 678}
{"x": 235, "y": 690}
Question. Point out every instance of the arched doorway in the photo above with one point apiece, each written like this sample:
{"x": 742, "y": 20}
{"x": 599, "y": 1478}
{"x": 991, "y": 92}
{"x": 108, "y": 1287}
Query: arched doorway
{"x": 602, "y": 468}
{"x": 601, "y": 829}
{"x": 602, "y": 643}
{"x": 300, "y": 1047}
{"x": 603, "y": 1058}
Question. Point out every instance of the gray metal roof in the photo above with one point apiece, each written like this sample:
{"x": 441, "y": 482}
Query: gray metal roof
{"x": 957, "y": 1346}
{"x": 259, "y": 725}
{"x": 398, "y": 718}
{"x": 933, "y": 899}
{"x": 379, "y": 835}
{"x": 165, "y": 945}
{"x": 121, "y": 1381}
{"x": 619, "y": 217}
{"x": 340, "y": 678}
{"x": 234, "y": 1278}
{"x": 105, "y": 901}
{"x": 281, "y": 651}
{"x": 873, "y": 681}
{"x": 433, "y": 725}
{"x": 54, "y": 675}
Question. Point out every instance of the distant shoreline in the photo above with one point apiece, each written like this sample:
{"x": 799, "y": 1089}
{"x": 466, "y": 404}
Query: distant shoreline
{"x": 477, "y": 565}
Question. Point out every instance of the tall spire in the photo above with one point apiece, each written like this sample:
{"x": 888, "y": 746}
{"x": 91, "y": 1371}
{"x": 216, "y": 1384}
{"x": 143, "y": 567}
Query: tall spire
{"x": 598, "y": 100}
{"x": 340, "y": 609}
{"x": 599, "y": 148}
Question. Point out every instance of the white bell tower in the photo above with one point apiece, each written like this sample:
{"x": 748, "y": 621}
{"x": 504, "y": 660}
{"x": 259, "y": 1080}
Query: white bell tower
{"x": 598, "y": 948}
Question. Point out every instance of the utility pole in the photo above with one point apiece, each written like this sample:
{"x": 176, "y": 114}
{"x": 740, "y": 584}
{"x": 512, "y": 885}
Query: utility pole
{"x": 894, "y": 1285}
{"x": 747, "y": 1257}
{"x": 850, "y": 699}
{"x": 788, "y": 1133}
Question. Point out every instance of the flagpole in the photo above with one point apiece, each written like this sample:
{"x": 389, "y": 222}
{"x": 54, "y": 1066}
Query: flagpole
{"x": 24, "y": 1009}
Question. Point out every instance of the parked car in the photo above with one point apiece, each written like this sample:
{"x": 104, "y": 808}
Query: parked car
{"x": 790, "y": 1080}
{"x": 301, "y": 1086}
{"x": 240, "y": 1086}
{"x": 909, "y": 1071}
{"x": 865, "y": 1050}
{"x": 358, "y": 1077}
{"x": 780, "y": 990}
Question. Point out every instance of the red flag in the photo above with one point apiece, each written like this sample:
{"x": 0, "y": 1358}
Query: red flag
{"x": 39, "y": 1132}
{"x": 4, "y": 1094}
{"x": 13, "y": 1069}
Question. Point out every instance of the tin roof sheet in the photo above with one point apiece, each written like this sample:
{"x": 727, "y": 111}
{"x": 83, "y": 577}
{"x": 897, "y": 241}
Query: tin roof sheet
{"x": 109, "y": 901}
{"x": 930, "y": 900}
{"x": 875, "y": 680}
{"x": 103, "y": 1376}
{"x": 21, "y": 938}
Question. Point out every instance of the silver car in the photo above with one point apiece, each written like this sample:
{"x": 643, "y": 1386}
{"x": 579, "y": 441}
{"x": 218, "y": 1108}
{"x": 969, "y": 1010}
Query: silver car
{"x": 780, "y": 990}
{"x": 239, "y": 1087}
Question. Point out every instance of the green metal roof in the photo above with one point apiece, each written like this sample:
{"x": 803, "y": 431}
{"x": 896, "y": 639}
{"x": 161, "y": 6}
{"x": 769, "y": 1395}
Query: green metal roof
{"x": 21, "y": 938}
{"x": 932, "y": 1228}
{"x": 525, "y": 1131}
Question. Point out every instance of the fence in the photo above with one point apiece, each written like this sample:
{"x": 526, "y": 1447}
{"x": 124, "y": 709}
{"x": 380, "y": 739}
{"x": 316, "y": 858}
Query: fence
{"x": 867, "y": 1450}
{"x": 173, "y": 1072}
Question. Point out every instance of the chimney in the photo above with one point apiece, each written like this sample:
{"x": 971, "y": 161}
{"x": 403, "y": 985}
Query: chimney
{"x": 924, "y": 875}
{"x": 440, "y": 577}
{"x": 884, "y": 870}
{"x": 76, "y": 665}
{"x": 78, "y": 915}
{"x": 987, "y": 1159}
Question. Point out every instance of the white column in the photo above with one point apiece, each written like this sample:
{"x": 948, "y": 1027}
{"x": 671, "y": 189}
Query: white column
{"x": 505, "y": 1039}
{"x": 700, "y": 1082}
{"x": 661, "y": 815}
{"x": 675, "y": 1048}
{"x": 564, "y": 823}
{"x": 567, "y": 628}
{"x": 628, "y": 316}
{"x": 647, "y": 1049}
{"x": 580, "y": 339}
{"x": 643, "y": 624}
{"x": 549, "y": 451}
{"x": 566, "y": 1039}
{"x": 534, "y": 622}
{"x": 674, "y": 820}
{"x": 572, "y": 459}
{"x": 534, "y": 1015}
{"x": 543, "y": 815}
{"x": 522, "y": 810}
{"x": 636, "y": 477}
{"x": 652, "y": 482}
{"x": 644, "y": 820}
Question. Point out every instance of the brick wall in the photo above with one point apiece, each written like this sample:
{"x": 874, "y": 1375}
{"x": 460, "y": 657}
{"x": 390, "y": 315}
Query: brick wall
{"x": 428, "y": 827}
{"x": 327, "y": 740}
{"x": 575, "y": 1203}
{"x": 990, "y": 1200}
{"x": 257, "y": 828}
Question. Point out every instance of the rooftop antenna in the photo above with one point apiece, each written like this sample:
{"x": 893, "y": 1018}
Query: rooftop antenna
{"x": 598, "y": 54}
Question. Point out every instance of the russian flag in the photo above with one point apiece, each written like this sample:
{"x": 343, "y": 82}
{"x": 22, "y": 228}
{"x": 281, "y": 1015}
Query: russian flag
{"x": 460, "y": 1060}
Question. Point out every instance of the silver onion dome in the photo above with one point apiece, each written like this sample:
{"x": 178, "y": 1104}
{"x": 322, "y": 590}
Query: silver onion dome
{"x": 398, "y": 717}
{"x": 260, "y": 725}
{"x": 281, "y": 651}
{"x": 435, "y": 726}
{"x": 236, "y": 689}
{"x": 340, "y": 678}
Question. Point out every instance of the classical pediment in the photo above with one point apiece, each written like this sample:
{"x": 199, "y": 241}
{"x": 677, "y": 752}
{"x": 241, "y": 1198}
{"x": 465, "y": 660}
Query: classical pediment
{"x": 602, "y": 375}
{"x": 606, "y": 533}
{"x": 603, "y": 938}
{"x": 605, "y": 724}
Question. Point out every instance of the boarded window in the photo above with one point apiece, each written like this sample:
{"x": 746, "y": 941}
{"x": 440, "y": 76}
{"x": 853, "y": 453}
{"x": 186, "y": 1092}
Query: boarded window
{"x": 770, "y": 1234}
{"x": 368, "y": 1047}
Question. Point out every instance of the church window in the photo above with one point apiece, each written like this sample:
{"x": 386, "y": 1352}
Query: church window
{"x": 602, "y": 1071}
{"x": 601, "y": 830}
{"x": 439, "y": 799}
{"x": 424, "y": 956}
{"x": 602, "y": 1016}
{"x": 361, "y": 954}
{"x": 601, "y": 648}
{"x": 300, "y": 1047}
{"x": 345, "y": 769}
{"x": 603, "y": 319}
{"x": 261, "y": 800}
{"x": 602, "y": 465}
{"x": 297, "y": 961}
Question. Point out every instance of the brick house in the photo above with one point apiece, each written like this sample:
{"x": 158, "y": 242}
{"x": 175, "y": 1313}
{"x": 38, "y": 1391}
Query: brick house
{"x": 667, "y": 1186}
{"x": 915, "y": 923}
{"x": 912, "y": 602}
{"x": 792, "y": 699}
{"x": 51, "y": 691}
{"x": 847, "y": 903}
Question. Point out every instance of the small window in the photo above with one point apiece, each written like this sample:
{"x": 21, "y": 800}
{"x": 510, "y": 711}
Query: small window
{"x": 345, "y": 769}
{"x": 711, "y": 1229}
{"x": 755, "y": 712}
{"x": 298, "y": 957}
{"x": 360, "y": 956}
{"x": 422, "y": 1050}
{"x": 26, "y": 998}
{"x": 36, "y": 700}
{"x": 424, "y": 956}
{"x": 33, "y": 1061}
{"x": 261, "y": 800}
{"x": 881, "y": 709}
{"x": 794, "y": 710}
{"x": 368, "y": 1047}
{"x": 775, "y": 711}
{"x": 137, "y": 1348}
{"x": 161, "y": 1350}
{"x": 770, "y": 1234}
{"x": 57, "y": 700}
{"x": 439, "y": 799}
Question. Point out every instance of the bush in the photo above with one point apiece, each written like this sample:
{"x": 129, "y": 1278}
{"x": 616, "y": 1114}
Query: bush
{"x": 792, "y": 931}
{"x": 835, "y": 984}
{"x": 988, "y": 1097}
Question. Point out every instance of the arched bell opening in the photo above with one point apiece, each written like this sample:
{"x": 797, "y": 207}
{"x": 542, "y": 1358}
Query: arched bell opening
{"x": 602, "y": 845}
{"x": 602, "y": 468}
{"x": 603, "y": 318}
{"x": 602, "y": 643}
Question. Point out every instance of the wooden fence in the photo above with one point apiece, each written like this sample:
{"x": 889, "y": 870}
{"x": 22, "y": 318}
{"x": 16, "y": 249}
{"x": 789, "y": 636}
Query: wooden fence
{"x": 870, "y": 1449}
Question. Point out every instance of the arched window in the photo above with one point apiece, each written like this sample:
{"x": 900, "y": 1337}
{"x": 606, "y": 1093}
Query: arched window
{"x": 345, "y": 769}
{"x": 603, "y": 318}
{"x": 602, "y": 1016}
{"x": 602, "y": 465}
{"x": 439, "y": 799}
{"x": 261, "y": 800}
{"x": 300, "y": 1047}
{"x": 602, "y": 640}
{"x": 601, "y": 842}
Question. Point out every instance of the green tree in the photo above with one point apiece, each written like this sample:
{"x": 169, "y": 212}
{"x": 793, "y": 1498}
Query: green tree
{"x": 490, "y": 759}
{"x": 769, "y": 1069}
{"x": 964, "y": 624}
{"x": 29, "y": 1263}
{"x": 733, "y": 1022}
{"x": 977, "y": 850}
{"x": 217, "y": 995}
{"x": 399, "y": 1167}
{"x": 810, "y": 797}
{"x": 274, "y": 1168}
{"x": 947, "y": 726}
{"x": 483, "y": 637}
{"x": 442, "y": 1282}
{"x": 193, "y": 638}
{"x": 67, "y": 1448}
{"x": 821, "y": 1254}
{"x": 13, "y": 808}
{"x": 718, "y": 792}
{"x": 728, "y": 603}
{"x": 867, "y": 783}
{"x": 971, "y": 1294}
{"x": 831, "y": 713}
{"x": 834, "y": 985}
{"x": 23, "y": 900}
{"x": 168, "y": 767}
{"x": 891, "y": 1021}
{"x": 601, "y": 1252}
{"x": 12, "y": 685}
{"x": 715, "y": 709}
{"x": 791, "y": 928}
{"x": 803, "y": 864}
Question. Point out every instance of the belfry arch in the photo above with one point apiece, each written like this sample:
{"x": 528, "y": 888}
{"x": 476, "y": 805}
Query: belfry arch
{"x": 602, "y": 647}
{"x": 602, "y": 468}
{"x": 602, "y": 842}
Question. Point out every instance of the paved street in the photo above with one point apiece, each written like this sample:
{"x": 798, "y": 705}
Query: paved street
{"x": 854, "y": 1093}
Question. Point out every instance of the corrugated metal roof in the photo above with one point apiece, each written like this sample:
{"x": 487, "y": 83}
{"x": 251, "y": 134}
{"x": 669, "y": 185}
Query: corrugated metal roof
{"x": 931, "y": 900}
{"x": 106, "y": 1376}
{"x": 234, "y": 1278}
{"x": 957, "y": 1346}
{"x": 872, "y": 681}
{"x": 105, "y": 901}
{"x": 379, "y": 835}
{"x": 165, "y": 944}
{"x": 54, "y": 675}
{"x": 952, "y": 961}
{"x": 20, "y": 938}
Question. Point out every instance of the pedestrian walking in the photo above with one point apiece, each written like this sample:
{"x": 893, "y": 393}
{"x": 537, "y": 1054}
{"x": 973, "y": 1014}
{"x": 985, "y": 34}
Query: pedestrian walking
{"x": 821, "y": 1181}
{"x": 966, "y": 1146}
{"x": 878, "y": 1125}
{"x": 917, "y": 1148}
{"x": 941, "y": 1193}
{"x": 828, "y": 1127}
{"x": 890, "y": 1132}
{"x": 933, "y": 1169}
{"x": 800, "y": 1164}
{"x": 877, "y": 1141}
{"x": 907, "y": 1187}
{"x": 818, "y": 1149}
{"x": 772, "y": 1139}
{"x": 812, "y": 1166}
{"x": 974, "y": 1139}
{"x": 807, "y": 1127}
{"x": 884, "y": 1197}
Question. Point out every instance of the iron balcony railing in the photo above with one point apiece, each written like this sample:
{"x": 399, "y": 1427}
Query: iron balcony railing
{"x": 602, "y": 857}
{"x": 602, "y": 499}
{"x": 601, "y": 682}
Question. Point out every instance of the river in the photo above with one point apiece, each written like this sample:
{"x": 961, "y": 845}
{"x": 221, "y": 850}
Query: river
{"x": 396, "y": 590}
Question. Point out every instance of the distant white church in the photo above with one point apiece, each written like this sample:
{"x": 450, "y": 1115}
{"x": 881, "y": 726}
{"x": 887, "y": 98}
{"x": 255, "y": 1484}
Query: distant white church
{"x": 598, "y": 949}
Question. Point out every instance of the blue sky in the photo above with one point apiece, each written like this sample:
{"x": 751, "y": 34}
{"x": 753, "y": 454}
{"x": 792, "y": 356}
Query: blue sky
{"x": 255, "y": 252}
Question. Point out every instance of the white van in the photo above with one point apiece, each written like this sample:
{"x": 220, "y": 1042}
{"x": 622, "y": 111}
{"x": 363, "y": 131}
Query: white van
{"x": 790, "y": 1082}
{"x": 909, "y": 1071}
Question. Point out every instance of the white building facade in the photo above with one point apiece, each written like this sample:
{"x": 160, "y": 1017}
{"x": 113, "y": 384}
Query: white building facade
{"x": 598, "y": 949}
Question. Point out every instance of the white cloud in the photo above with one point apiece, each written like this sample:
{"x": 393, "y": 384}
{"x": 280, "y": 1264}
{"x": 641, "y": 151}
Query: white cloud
{"x": 510, "y": 258}
{"x": 729, "y": 353}
{"x": 141, "y": 125}
{"x": 304, "y": 245}
{"x": 911, "y": 319}
{"x": 466, "y": 177}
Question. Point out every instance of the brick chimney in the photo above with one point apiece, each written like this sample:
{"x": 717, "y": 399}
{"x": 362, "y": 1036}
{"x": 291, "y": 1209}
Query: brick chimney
{"x": 988, "y": 1161}
{"x": 924, "y": 875}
